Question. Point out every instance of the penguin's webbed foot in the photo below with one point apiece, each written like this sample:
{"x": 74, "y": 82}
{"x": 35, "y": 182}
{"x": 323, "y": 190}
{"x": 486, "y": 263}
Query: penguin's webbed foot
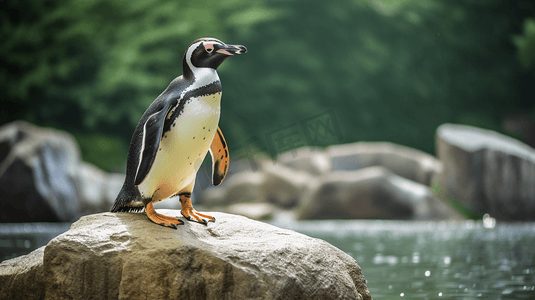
{"x": 193, "y": 215}
{"x": 160, "y": 219}
{"x": 190, "y": 213}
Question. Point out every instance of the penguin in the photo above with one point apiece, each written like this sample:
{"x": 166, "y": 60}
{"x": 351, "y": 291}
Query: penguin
{"x": 174, "y": 135}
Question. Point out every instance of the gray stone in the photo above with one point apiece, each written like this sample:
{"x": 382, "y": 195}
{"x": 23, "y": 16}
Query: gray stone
{"x": 242, "y": 160}
{"x": 22, "y": 277}
{"x": 372, "y": 193}
{"x": 37, "y": 174}
{"x": 255, "y": 211}
{"x": 284, "y": 186}
{"x": 403, "y": 161}
{"x": 310, "y": 159}
{"x": 487, "y": 172}
{"x": 96, "y": 189}
{"x": 123, "y": 255}
{"x": 239, "y": 188}
{"x": 42, "y": 169}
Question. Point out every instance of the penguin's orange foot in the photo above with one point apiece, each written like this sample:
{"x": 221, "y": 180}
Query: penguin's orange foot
{"x": 190, "y": 213}
{"x": 161, "y": 219}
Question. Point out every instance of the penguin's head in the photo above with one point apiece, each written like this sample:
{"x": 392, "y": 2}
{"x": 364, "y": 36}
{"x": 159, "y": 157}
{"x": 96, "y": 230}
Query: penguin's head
{"x": 209, "y": 53}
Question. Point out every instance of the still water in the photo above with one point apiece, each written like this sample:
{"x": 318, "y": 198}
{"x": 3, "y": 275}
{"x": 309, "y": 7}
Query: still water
{"x": 430, "y": 260}
{"x": 400, "y": 260}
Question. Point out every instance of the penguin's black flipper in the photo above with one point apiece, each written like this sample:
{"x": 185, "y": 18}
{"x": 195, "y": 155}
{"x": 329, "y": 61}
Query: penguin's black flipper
{"x": 152, "y": 134}
{"x": 220, "y": 158}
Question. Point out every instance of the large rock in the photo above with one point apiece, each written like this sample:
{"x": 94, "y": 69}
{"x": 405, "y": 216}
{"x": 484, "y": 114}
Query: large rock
{"x": 37, "y": 174}
{"x": 403, "y": 161}
{"x": 22, "y": 277}
{"x": 275, "y": 184}
{"x": 242, "y": 160}
{"x": 42, "y": 170}
{"x": 372, "y": 193}
{"x": 239, "y": 188}
{"x": 284, "y": 186}
{"x": 97, "y": 189}
{"x": 487, "y": 172}
{"x": 256, "y": 211}
{"x": 310, "y": 159}
{"x": 110, "y": 256}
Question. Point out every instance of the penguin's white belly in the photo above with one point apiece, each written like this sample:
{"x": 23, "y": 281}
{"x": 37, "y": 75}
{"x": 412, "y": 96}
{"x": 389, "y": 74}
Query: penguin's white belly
{"x": 183, "y": 148}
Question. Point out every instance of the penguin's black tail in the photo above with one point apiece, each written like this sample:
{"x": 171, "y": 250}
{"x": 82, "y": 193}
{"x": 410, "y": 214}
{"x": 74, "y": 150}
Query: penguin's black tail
{"x": 128, "y": 200}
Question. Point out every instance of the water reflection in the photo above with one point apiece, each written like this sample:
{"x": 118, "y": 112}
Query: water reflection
{"x": 417, "y": 260}
{"x": 21, "y": 238}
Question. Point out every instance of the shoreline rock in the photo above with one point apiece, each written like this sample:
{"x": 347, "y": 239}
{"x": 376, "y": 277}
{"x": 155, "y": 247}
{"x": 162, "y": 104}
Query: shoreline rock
{"x": 42, "y": 169}
{"x": 372, "y": 193}
{"x": 403, "y": 161}
{"x": 123, "y": 255}
{"x": 38, "y": 169}
{"x": 396, "y": 185}
{"x": 487, "y": 172}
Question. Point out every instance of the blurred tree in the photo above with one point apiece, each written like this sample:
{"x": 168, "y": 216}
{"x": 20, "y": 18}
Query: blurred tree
{"x": 525, "y": 44}
{"x": 93, "y": 67}
{"x": 522, "y": 122}
{"x": 388, "y": 69}
{"x": 392, "y": 70}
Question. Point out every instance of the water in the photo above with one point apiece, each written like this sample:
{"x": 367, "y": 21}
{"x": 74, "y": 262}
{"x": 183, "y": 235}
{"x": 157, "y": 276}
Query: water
{"x": 429, "y": 260}
{"x": 22, "y": 238}
{"x": 400, "y": 260}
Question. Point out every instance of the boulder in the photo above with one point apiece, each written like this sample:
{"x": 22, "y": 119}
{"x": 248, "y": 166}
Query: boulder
{"x": 123, "y": 255}
{"x": 42, "y": 169}
{"x": 403, "y": 161}
{"x": 372, "y": 193}
{"x": 487, "y": 172}
{"x": 242, "y": 160}
{"x": 309, "y": 159}
{"x": 255, "y": 211}
{"x": 37, "y": 168}
{"x": 22, "y": 277}
{"x": 284, "y": 186}
{"x": 239, "y": 188}
{"x": 97, "y": 189}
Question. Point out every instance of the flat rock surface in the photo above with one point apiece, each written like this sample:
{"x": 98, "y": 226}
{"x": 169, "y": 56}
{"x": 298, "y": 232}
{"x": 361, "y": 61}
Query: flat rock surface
{"x": 125, "y": 256}
{"x": 473, "y": 139}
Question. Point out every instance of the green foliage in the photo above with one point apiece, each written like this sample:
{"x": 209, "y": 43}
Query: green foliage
{"x": 93, "y": 67}
{"x": 104, "y": 151}
{"x": 390, "y": 70}
{"x": 525, "y": 44}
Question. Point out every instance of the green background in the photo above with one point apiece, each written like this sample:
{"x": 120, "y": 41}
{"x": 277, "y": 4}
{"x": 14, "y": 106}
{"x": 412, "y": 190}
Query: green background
{"x": 387, "y": 70}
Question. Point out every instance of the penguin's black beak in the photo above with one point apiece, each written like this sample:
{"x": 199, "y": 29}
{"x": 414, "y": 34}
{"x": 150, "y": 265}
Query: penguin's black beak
{"x": 231, "y": 49}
